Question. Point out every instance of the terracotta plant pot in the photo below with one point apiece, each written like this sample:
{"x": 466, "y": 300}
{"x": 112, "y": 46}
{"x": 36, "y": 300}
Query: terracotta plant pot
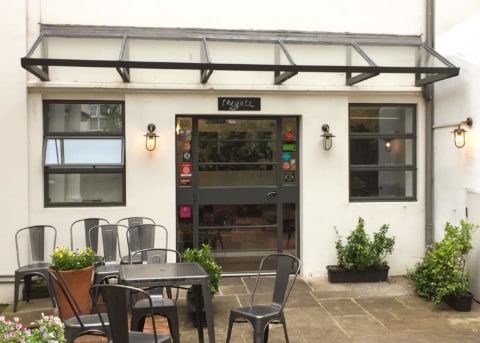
{"x": 79, "y": 282}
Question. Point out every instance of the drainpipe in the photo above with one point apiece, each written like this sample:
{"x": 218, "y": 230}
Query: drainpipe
{"x": 429, "y": 119}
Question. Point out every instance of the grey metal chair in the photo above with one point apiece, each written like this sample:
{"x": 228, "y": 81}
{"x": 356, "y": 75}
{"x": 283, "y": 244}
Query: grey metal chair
{"x": 90, "y": 238}
{"x": 260, "y": 315}
{"x": 109, "y": 235}
{"x": 80, "y": 324}
{"x": 117, "y": 301}
{"x": 131, "y": 222}
{"x": 162, "y": 305}
{"x": 33, "y": 245}
{"x": 145, "y": 236}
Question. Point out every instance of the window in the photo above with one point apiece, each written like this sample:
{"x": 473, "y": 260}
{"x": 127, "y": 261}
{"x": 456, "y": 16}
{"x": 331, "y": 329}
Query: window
{"x": 382, "y": 152}
{"x": 83, "y": 153}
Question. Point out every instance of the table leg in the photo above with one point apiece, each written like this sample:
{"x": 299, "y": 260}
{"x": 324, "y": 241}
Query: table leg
{"x": 198, "y": 311}
{"x": 207, "y": 300}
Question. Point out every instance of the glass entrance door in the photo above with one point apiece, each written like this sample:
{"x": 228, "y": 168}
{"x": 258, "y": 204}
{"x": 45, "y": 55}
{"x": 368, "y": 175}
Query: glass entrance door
{"x": 237, "y": 187}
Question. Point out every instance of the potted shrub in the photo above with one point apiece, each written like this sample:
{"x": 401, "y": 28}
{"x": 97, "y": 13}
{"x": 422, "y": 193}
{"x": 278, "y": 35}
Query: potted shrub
{"x": 76, "y": 268}
{"x": 204, "y": 257}
{"x": 360, "y": 258}
{"x": 443, "y": 274}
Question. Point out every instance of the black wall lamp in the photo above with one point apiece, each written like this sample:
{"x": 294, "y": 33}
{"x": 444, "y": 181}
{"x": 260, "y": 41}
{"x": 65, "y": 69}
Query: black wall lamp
{"x": 150, "y": 138}
{"x": 459, "y": 132}
{"x": 327, "y": 137}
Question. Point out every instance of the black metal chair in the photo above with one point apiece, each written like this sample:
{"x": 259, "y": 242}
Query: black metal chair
{"x": 31, "y": 243}
{"x": 163, "y": 304}
{"x": 145, "y": 236}
{"x": 109, "y": 235}
{"x": 90, "y": 238}
{"x": 261, "y": 315}
{"x": 80, "y": 324}
{"x": 117, "y": 301}
{"x": 135, "y": 241}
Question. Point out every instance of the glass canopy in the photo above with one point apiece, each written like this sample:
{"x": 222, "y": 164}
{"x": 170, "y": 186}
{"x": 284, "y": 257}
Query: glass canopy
{"x": 284, "y": 54}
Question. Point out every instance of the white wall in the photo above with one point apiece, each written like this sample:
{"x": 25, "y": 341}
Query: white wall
{"x": 151, "y": 176}
{"x": 366, "y": 16}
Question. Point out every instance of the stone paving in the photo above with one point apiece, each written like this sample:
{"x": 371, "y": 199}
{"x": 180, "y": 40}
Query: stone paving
{"x": 319, "y": 311}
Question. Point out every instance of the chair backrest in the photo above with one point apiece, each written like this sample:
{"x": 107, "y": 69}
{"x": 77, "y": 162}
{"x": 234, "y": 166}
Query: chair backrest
{"x": 85, "y": 225}
{"x": 132, "y": 221}
{"x": 117, "y": 301}
{"x": 35, "y": 243}
{"x": 109, "y": 236}
{"x": 61, "y": 290}
{"x": 156, "y": 255}
{"x": 146, "y": 236}
{"x": 287, "y": 268}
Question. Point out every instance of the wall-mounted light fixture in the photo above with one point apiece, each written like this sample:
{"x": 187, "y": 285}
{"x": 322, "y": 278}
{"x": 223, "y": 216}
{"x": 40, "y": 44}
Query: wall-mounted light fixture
{"x": 388, "y": 145}
{"x": 459, "y": 132}
{"x": 150, "y": 138}
{"x": 327, "y": 137}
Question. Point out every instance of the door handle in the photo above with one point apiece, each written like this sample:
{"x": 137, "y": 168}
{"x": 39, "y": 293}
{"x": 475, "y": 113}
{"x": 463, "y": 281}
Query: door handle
{"x": 272, "y": 194}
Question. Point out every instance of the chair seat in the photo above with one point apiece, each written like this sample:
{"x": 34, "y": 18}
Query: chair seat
{"x": 141, "y": 337}
{"x": 258, "y": 310}
{"x": 158, "y": 302}
{"x": 33, "y": 267}
{"x": 88, "y": 320}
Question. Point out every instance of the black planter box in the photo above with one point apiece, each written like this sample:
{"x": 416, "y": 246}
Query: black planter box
{"x": 337, "y": 274}
{"x": 460, "y": 302}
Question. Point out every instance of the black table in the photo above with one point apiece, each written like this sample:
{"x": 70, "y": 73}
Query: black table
{"x": 175, "y": 274}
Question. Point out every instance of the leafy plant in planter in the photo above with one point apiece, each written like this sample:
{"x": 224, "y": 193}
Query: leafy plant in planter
{"x": 443, "y": 272}
{"x": 204, "y": 257}
{"x": 360, "y": 254}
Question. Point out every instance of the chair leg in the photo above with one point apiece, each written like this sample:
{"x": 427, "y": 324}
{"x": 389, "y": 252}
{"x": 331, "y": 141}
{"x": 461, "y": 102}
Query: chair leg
{"x": 229, "y": 332}
{"x": 15, "y": 295}
{"x": 27, "y": 282}
{"x": 137, "y": 323}
{"x": 284, "y": 323}
{"x": 174, "y": 329}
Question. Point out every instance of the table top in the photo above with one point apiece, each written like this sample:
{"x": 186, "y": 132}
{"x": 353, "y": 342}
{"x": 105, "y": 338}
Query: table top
{"x": 176, "y": 272}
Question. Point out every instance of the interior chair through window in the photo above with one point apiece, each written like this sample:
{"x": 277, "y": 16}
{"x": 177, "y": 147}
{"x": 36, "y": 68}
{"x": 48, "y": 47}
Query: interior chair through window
{"x": 117, "y": 301}
{"x": 162, "y": 301}
{"x": 34, "y": 245}
{"x": 260, "y": 315}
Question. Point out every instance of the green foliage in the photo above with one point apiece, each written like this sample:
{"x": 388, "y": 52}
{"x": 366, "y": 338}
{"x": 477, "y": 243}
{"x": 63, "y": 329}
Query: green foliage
{"x": 204, "y": 258}
{"x": 443, "y": 270}
{"x": 48, "y": 329}
{"x": 65, "y": 259}
{"x": 360, "y": 252}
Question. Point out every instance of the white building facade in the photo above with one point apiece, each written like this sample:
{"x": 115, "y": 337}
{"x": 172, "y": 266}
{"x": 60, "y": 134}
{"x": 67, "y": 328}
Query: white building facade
{"x": 290, "y": 194}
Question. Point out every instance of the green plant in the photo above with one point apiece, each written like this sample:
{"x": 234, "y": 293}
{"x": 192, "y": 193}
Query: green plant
{"x": 443, "y": 270}
{"x": 48, "y": 329}
{"x": 360, "y": 252}
{"x": 65, "y": 259}
{"x": 203, "y": 256}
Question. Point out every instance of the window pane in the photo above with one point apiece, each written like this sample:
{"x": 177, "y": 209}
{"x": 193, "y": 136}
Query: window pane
{"x": 382, "y": 184}
{"x": 382, "y": 152}
{"x": 84, "y": 151}
{"x": 382, "y": 119}
{"x": 85, "y": 188}
{"x": 84, "y": 117}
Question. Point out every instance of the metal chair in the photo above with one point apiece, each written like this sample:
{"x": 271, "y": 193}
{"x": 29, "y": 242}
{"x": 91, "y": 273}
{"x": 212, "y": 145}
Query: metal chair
{"x": 131, "y": 222}
{"x": 31, "y": 243}
{"x": 145, "y": 236}
{"x": 109, "y": 236}
{"x": 80, "y": 324}
{"x": 260, "y": 315}
{"x": 162, "y": 306}
{"x": 90, "y": 239}
{"x": 117, "y": 300}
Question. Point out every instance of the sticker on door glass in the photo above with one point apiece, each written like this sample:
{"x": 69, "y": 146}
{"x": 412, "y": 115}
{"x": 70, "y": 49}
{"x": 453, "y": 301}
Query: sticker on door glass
{"x": 186, "y": 174}
{"x": 185, "y": 212}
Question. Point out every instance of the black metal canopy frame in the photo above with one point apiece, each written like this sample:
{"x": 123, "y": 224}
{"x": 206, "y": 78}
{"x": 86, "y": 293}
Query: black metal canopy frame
{"x": 425, "y": 63}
